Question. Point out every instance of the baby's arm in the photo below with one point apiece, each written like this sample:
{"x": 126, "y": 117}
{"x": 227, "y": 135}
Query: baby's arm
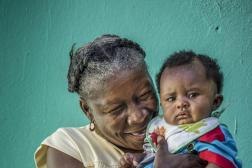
{"x": 159, "y": 131}
{"x": 218, "y": 148}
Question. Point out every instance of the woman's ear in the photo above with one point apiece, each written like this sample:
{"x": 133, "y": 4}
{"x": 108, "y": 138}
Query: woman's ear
{"x": 86, "y": 109}
{"x": 217, "y": 101}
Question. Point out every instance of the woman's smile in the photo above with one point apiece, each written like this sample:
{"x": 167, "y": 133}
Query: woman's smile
{"x": 137, "y": 134}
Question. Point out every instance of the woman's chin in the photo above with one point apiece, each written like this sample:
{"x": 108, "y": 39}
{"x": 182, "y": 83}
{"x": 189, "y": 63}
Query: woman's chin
{"x": 133, "y": 145}
{"x": 135, "y": 149}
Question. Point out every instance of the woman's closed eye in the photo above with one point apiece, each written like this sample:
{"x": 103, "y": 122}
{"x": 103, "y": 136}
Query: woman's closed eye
{"x": 117, "y": 109}
{"x": 145, "y": 95}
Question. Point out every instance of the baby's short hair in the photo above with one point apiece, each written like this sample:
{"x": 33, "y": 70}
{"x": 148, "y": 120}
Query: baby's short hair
{"x": 187, "y": 57}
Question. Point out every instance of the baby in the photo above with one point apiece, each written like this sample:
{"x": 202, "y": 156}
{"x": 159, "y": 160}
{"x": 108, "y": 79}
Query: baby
{"x": 190, "y": 87}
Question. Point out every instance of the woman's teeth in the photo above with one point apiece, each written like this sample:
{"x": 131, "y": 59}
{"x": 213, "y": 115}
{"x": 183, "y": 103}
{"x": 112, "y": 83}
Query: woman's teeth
{"x": 136, "y": 133}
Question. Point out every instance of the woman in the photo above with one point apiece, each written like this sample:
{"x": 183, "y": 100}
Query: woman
{"x": 118, "y": 97}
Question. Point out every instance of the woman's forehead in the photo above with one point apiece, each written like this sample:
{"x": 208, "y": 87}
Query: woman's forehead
{"x": 134, "y": 78}
{"x": 122, "y": 85}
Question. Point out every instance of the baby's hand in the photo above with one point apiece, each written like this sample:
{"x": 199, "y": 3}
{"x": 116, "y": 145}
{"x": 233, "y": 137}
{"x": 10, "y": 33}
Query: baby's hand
{"x": 131, "y": 160}
{"x": 156, "y": 133}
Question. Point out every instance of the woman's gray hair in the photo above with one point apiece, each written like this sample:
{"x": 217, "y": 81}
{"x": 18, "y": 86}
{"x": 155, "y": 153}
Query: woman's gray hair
{"x": 95, "y": 62}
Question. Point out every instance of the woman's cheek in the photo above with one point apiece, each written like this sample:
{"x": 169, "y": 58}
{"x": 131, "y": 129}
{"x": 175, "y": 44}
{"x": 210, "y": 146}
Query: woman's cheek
{"x": 151, "y": 104}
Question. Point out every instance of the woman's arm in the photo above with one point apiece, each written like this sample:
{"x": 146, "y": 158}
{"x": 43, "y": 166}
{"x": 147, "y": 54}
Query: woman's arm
{"x": 58, "y": 159}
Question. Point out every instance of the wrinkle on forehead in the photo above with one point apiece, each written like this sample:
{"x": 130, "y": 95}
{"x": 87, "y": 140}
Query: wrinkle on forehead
{"x": 116, "y": 82}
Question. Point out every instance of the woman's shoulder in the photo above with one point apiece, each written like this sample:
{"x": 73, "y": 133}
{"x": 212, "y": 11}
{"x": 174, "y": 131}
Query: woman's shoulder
{"x": 74, "y": 133}
{"x": 69, "y": 137}
{"x": 64, "y": 140}
{"x": 79, "y": 143}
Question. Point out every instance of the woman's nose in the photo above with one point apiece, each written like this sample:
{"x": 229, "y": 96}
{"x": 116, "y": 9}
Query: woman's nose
{"x": 136, "y": 115}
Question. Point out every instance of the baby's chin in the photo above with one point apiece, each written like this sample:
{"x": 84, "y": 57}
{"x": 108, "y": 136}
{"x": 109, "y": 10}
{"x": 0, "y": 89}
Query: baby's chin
{"x": 185, "y": 121}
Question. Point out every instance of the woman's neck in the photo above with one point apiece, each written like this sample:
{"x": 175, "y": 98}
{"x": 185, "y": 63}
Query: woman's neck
{"x": 125, "y": 150}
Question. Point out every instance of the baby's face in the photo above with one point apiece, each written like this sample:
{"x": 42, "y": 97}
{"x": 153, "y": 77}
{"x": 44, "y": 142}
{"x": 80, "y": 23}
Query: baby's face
{"x": 186, "y": 95}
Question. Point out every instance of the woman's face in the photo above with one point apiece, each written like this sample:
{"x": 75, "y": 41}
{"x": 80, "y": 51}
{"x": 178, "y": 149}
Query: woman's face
{"x": 123, "y": 108}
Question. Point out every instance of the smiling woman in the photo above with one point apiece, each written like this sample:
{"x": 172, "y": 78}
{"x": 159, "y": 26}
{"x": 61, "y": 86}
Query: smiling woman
{"x": 116, "y": 94}
{"x": 123, "y": 108}
{"x": 118, "y": 97}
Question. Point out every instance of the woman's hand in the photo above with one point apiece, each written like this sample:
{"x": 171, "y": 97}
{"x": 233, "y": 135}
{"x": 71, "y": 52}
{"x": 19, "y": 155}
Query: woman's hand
{"x": 164, "y": 159}
{"x": 131, "y": 160}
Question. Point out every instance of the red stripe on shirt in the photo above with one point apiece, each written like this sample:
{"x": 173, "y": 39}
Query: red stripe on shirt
{"x": 216, "y": 159}
{"x": 215, "y": 134}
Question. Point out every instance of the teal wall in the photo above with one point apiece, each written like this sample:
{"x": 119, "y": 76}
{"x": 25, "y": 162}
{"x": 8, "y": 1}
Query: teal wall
{"x": 36, "y": 35}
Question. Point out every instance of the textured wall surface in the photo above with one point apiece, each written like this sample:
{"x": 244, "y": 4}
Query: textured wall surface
{"x": 36, "y": 35}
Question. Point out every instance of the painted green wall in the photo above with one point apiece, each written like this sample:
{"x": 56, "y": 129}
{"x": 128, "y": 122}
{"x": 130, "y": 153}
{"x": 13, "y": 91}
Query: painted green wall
{"x": 36, "y": 35}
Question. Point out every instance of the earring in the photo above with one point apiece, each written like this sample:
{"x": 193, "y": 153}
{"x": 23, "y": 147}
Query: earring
{"x": 92, "y": 126}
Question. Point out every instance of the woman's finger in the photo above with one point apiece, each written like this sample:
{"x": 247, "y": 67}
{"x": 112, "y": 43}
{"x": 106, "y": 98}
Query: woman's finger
{"x": 126, "y": 161}
{"x": 162, "y": 145}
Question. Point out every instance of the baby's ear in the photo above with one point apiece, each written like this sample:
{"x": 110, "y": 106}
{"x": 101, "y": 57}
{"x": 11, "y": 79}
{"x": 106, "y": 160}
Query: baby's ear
{"x": 217, "y": 101}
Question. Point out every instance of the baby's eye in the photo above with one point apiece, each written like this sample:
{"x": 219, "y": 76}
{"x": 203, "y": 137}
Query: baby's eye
{"x": 192, "y": 95}
{"x": 170, "y": 99}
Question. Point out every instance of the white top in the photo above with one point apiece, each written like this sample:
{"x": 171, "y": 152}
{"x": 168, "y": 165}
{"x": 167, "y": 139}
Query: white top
{"x": 178, "y": 136}
{"x": 82, "y": 144}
